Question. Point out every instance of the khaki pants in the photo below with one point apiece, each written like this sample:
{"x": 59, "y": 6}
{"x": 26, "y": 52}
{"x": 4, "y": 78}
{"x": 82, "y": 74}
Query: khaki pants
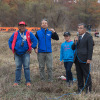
{"x": 45, "y": 58}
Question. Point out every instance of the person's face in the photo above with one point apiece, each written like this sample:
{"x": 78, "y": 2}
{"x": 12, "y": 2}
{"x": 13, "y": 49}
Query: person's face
{"x": 22, "y": 28}
{"x": 81, "y": 29}
{"x": 67, "y": 38}
{"x": 44, "y": 24}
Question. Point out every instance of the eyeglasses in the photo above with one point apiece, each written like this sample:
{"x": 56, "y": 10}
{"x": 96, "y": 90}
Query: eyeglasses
{"x": 80, "y": 28}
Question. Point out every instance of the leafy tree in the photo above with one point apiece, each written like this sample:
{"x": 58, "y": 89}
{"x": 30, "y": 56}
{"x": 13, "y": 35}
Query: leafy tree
{"x": 60, "y": 15}
{"x": 86, "y": 11}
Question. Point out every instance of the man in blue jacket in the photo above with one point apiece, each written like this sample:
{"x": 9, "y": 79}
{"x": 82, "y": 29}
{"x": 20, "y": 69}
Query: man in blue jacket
{"x": 21, "y": 43}
{"x": 44, "y": 49}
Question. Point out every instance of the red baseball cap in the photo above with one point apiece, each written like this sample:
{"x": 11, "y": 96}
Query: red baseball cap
{"x": 22, "y": 23}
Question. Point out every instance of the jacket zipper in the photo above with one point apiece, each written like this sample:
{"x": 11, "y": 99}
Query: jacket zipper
{"x": 45, "y": 40}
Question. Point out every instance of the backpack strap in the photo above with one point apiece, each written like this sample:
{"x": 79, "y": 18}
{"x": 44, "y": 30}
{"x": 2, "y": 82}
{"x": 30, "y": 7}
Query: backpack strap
{"x": 28, "y": 40}
{"x": 14, "y": 41}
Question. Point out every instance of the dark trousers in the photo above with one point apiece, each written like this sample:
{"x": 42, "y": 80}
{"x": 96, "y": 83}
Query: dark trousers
{"x": 82, "y": 70}
{"x": 68, "y": 66}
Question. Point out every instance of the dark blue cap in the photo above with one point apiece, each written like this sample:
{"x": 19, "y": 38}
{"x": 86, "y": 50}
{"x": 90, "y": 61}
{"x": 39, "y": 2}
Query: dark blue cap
{"x": 67, "y": 34}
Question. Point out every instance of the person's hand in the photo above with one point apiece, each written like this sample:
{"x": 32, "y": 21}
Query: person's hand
{"x": 36, "y": 50}
{"x": 29, "y": 51}
{"x": 76, "y": 39}
{"x": 52, "y": 30}
{"x": 61, "y": 62}
{"x": 88, "y": 62}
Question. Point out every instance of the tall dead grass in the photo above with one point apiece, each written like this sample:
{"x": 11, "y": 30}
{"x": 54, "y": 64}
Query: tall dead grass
{"x": 42, "y": 90}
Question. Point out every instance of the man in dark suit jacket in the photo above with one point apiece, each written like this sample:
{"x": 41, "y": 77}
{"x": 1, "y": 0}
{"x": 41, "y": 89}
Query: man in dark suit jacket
{"x": 83, "y": 56}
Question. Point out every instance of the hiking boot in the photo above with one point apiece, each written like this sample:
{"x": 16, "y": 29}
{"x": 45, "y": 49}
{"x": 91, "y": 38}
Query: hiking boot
{"x": 15, "y": 84}
{"x": 28, "y": 84}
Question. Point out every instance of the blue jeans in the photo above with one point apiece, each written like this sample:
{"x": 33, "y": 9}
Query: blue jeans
{"x": 25, "y": 61}
{"x": 68, "y": 66}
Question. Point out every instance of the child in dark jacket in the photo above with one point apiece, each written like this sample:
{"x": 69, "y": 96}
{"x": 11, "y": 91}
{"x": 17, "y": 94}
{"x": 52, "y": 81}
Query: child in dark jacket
{"x": 67, "y": 56}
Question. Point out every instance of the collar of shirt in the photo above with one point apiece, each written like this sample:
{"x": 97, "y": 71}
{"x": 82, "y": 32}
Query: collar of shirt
{"x": 21, "y": 34}
{"x": 83, "y": 35}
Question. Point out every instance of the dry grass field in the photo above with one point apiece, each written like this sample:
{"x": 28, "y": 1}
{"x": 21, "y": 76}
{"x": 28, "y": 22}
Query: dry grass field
{"x": 42, "y": 90}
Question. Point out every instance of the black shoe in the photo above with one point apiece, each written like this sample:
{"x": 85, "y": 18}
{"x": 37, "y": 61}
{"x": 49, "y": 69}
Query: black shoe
{"x": 88, "y": 90}
{"x": 79, "y": 91}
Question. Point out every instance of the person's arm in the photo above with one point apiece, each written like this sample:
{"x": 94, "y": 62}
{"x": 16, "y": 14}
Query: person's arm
{"x": 10, "y": 41}
{"x": 75, "y": 47}
{"x": 90, "y": 48}
{"x": 54, "y": 34}
{"x": 61, "y": 53}
{"x": 74, "y": 44}
{"x": 36, "y": 50}
{"x": 33, "y": 40}
{"x": 36, "y": 35}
